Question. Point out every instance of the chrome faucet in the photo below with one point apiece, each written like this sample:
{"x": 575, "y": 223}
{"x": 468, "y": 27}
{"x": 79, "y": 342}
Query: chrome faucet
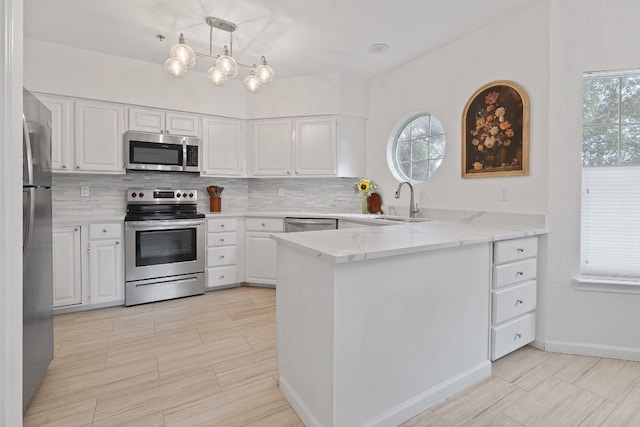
{"x": 412, "y": 206}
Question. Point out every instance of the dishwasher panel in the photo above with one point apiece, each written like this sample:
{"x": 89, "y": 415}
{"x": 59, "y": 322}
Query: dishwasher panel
{"x": 292, "y": 225}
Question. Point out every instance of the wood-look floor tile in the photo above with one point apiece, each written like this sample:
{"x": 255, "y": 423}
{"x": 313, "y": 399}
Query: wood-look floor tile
{"x": 490, "y": 416}
{"x": 202, "y": 355}
{"x": 542, "y": 371}
{"x": 474, "y": 401}
{"x": 241, "y": 310}
{"x": 155, "y": 396}
{"x": 234, "y": 407}
{"x": 578, "y": 366}
{"x": 501, "y": 420}
{"x": 627, "y": 413}
{"x": 611, "y": 379}
{"x": 228, "y": 328}
{"x": 244, "y": 369}
{"x": 63, "y": 415}
{"x": 554, "y": 403}
{"x": 151, "y": 346}
{"x": 599, "y": 414}
{"x": 426, "y": 419}
{"x": 151, "y": 420}
{"x": 285, "y": 417}
{"x": 516, "y": 364}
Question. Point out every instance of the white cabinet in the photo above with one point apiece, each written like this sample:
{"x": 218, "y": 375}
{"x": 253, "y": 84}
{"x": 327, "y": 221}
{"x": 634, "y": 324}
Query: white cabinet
{"x": 223, "y": 147}
{"x": 106, "y": 263}
{"x": 98, "y": 129}
{"x": 222, "y": 253}
{"x": 67, "y": 266}
{"x": 314, "y": 146}
{"x": 61, "y": 131}
{"x": 160, "y": 121}
{"x": 513, "y": 295}
{"x": 308, "y": 146}
{"x": 261, "y": 254}
{"x": 272, "y": 139}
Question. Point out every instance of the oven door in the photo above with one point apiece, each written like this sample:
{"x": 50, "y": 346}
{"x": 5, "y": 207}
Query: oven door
{"x": 155, "y": 249}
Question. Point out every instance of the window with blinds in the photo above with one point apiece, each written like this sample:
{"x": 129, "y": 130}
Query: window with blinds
{"x": 610, "y": 230}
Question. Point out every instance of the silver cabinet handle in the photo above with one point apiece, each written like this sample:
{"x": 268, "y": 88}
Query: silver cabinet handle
{"x": 222, "y": 240}
{"x": 64, "y": 166}
{"x": 519, "y": 302}
{"x": 77, "y": 167}
{"x": 520, "y": 250}
{"x": 221, "y": 225}
{"x": 75, "y": 229}
{"x": 117, "y": 242}
{"x": 519, "y": 273}
{"x": 104, "y": 230}
{"x": 221, "y": 256}
{"x": 518, "y": 335}
{"x": 222, "y": 277}
{"x": 263, "y": 224}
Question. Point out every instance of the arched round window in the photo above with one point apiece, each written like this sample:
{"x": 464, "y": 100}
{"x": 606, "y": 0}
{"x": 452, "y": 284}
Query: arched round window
{"x": 416, "y": 148}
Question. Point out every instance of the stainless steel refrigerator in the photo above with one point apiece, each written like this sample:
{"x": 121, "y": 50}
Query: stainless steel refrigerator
{"x": 37, "y": 276}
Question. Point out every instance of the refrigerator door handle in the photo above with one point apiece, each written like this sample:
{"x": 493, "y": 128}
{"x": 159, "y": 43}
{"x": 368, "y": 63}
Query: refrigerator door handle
{"x": 28, "y": 160}
{"x": 28, "y": 212}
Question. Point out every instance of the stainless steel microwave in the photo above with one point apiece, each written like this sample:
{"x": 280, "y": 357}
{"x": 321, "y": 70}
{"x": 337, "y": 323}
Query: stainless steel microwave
{"x": 161, "y": 152}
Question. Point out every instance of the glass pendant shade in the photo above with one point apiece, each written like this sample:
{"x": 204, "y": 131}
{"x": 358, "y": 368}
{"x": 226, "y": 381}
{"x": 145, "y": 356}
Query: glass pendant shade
{"x": 175, "y": 67}
{"x": 185, "y": 54}
{"x": 265, "y": 73}
{"x": 216, "y": 76}
{"x": 252, "y": 83}
{"x": 228, "y": 65}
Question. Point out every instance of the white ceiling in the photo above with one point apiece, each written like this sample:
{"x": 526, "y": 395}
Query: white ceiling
{"x": 298, "y": 37}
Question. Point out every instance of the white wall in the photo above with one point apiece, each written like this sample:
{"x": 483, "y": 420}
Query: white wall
{"x": 10, "y": 214}
{"x": 63, "y": 70}
{"x": 586, "y": 35}
{"x": 516, "y": 48}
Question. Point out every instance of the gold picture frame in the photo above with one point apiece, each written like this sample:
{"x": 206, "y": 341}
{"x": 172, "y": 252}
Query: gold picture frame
{"x": 495, "y": 131}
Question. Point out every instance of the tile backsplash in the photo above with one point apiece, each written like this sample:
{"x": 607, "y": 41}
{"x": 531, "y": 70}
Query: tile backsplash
{"x": 107, "y": 193}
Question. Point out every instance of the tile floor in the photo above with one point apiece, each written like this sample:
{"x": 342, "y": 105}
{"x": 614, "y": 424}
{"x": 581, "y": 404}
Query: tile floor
{"x": 211, "y": 361}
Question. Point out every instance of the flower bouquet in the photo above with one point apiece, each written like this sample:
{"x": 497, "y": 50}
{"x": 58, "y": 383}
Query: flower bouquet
{"x": 364, "y": 187}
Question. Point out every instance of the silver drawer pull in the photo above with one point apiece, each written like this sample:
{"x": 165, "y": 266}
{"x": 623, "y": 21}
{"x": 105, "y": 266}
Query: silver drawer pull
{"x": 104, "y": 230}
{"x": 222, "y": 240}
{"x": 263, "y": 224}
{"x": 519, "y": 302}
{"x": 222, "y": 277}
{"x": 222, "y": 257}
{"x": 520, "y": 250}
{"x": 519, "y": 273}
{"x": 518, "y": 335}
{"x": 221, "y": 225}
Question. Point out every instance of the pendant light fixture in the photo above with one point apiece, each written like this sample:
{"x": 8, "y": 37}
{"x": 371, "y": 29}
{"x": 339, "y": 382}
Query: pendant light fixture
{"x": 182, "y": 58}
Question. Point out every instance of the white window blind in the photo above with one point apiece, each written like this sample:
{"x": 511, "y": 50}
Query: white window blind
{"x": 610, "y": 227}
{"x": 610, "y": 244}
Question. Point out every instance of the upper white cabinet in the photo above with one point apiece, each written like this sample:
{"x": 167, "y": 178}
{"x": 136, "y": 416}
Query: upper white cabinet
{"x": 309, "y": 146}
{"x": 61, "y": 131}
{"x": 223, "y": 147}
{"x": 272, "y": 144}
{"x": 98, "y": 129}
{"x": 160, "y": 121}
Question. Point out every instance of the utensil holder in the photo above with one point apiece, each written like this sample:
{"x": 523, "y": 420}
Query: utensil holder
{"x": 215, "y": 204}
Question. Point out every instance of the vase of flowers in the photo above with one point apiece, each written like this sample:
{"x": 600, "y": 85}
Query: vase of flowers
{"x": 364, "y": 187}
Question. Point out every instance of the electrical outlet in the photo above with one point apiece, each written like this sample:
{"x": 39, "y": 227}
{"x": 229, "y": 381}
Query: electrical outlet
{"x": 504, "y": 195}
{"x": 280, "y": 192}
{"x": 84, "y": 191}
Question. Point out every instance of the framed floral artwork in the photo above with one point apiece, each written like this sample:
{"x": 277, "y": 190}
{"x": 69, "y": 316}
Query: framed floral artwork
{"x": 495, "y": 131}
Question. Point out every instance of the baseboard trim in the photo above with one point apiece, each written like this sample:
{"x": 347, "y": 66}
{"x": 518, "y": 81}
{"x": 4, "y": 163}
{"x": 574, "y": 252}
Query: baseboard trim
{"x": 404, "y": 411}
{"x": 595, "y": 350}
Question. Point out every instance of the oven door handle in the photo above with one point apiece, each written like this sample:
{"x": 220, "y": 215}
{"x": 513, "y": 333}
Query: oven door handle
{"x": 162, "y": 225}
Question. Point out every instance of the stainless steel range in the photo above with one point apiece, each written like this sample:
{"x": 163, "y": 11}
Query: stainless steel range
{"x": 164, "y": 245}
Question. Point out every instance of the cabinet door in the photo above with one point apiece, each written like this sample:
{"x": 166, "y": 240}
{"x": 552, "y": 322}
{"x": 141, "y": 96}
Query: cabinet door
{"x": 67, "y": 267}
{"x": 272, "y": 147}
{"x": 105, "y": 271}
{"x": 61, "y": 132}
{"x": 222, "y": 147}
{"x": 261, "y": 262}
{"x": 146, "y": 120}
{"x": 98, "y": 130}
{"x": 182, "y": 124}
{"x": 315, "y": 146}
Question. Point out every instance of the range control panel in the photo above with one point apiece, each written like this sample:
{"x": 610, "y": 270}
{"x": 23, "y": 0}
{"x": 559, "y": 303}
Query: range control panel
{"x": 161, "y": 196}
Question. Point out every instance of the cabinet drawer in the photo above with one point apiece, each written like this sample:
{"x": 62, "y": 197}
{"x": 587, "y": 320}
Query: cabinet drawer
{"x": 265, "y": 224}
{"x": 512, "y": 335}
{"x": 223, "y": 224}
{"x": 218, "y": 276}
{"x": 221, "y": 239}
{"x": 513, "y": 301}
{"x": 105, "y": 231}
{"x": 512, "y": 250}
{"x": 224, "y": 255}
{"x": 514, "y": 272}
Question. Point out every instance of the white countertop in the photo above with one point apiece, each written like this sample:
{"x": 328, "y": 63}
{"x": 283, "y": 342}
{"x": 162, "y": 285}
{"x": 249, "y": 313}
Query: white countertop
{"x": 357, "y": 244}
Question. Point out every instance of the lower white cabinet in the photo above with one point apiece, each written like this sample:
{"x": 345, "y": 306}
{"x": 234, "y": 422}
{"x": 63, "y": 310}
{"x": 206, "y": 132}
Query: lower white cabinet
{"x": 106, "y": 272}
{"x": 222, "y": 253}
{"x": 88, "y": 265}
{"x": 67, "y": 266}
{"x": 261, "y": 254}
{"x": 513, "y": 295}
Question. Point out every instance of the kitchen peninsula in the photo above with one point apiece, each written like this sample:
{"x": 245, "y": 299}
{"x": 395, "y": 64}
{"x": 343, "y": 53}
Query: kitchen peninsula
{"x": 375, "y": 325}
